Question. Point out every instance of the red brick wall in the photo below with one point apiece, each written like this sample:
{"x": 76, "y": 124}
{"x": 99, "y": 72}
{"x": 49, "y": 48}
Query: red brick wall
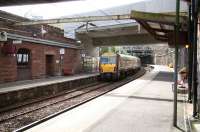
{"x": 52, "y": 33}
{"x": 72, "y": 60}
{"x": 8, "y": 64}
{"x": 8, "y": 69}
{"x": 37, "y": 59}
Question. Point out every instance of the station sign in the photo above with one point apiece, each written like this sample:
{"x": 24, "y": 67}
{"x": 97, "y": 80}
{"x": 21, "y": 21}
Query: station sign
{"x": 62, "y": 51}
{"x": 83, "y": 55}
{"x": 17, "y": 41}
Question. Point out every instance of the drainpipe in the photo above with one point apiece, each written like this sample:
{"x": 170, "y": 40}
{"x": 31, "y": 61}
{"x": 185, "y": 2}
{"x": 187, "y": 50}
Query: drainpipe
{"x": 176, "y": 61}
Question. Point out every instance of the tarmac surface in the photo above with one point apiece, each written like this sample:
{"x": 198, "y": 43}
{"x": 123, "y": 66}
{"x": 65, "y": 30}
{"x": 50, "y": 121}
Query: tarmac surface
{"x": 143, "y": 105}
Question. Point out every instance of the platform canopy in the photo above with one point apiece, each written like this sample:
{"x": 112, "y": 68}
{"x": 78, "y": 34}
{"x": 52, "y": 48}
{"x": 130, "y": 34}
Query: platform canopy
{"x": 28, "y": 2}
{"x": 161, "y": 25}
{"x": 119, "y": 23}
{"x": 187, "y": 0}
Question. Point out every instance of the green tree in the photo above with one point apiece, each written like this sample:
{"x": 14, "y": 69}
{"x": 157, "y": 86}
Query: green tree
{"x": 107, "y": 49}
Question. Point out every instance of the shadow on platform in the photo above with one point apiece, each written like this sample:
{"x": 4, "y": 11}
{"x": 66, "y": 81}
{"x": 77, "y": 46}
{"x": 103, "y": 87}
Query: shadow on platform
{"x": 164, "y": 76}
{"x": 144, "y": 98}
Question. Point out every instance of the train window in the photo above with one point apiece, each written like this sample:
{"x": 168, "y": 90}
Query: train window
{"x": 104, "y": 60}
{"x": 108, "y": 60}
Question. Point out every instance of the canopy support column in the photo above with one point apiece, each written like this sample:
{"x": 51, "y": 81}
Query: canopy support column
{"x": 176, "y": 61}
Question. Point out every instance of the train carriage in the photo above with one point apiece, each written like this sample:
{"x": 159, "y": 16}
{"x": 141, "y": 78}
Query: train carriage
{"x": 117, "y": 65}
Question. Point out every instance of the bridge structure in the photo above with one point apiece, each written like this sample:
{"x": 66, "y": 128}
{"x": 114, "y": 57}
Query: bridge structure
{"x": 116, "y": 35}
{"x": 136, "y": 24}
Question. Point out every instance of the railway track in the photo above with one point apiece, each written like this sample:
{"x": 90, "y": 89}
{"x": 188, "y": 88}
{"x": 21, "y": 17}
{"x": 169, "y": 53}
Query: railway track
{"x": 26, "y": 103}
{"x": 58, "y": 99}
{"x": 74, "y": 97}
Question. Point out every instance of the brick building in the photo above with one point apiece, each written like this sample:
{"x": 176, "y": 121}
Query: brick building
{"x": 35, "y": 51}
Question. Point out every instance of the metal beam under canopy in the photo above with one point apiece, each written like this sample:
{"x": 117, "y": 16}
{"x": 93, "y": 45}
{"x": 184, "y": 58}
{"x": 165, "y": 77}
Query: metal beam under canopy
{"x": 75, "y": 19}
{"x": 161, "y": 25}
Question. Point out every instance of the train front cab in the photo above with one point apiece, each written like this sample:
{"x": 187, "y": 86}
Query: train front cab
{"x": 108, "y": 68}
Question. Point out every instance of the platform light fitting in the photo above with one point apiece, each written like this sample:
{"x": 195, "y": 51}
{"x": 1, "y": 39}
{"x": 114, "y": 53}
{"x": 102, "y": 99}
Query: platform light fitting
{"x": 3, "y": 36}
{"x": 187, "y": 46}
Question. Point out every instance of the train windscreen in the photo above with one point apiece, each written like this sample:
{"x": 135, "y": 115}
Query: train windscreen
{"x": 108, "y": 60}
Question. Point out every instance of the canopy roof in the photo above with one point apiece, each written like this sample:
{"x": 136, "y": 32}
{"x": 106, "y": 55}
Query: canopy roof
{"x": 154, "y": 20}
{"x": 161, "y": 25}
{"x": 28, "y": 2}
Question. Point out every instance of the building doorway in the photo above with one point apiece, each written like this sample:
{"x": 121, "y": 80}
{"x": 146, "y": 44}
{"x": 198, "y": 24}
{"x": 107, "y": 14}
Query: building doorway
{"x": 49, "y": 65}
{"x": 23, "y": 64}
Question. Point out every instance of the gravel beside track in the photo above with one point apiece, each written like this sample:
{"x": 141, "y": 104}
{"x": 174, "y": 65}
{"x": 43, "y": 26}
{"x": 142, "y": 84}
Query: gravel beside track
{"x": 29, "y": 113}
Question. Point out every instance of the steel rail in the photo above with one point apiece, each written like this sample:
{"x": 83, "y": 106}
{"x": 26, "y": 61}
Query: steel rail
{"x": 56, "y": 102}
{"x": 137, "y": 75}
{"x": 17, "y": 106}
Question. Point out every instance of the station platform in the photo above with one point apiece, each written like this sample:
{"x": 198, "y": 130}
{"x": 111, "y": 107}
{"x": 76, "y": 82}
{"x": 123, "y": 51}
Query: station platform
{"x": 15, "y": 92}
{"x": 143, "y": 105}
{"x": 18, "y": 85}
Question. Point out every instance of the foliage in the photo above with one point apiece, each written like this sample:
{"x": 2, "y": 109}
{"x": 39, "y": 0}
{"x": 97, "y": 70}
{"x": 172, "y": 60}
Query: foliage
{"x": 112, "y": 49}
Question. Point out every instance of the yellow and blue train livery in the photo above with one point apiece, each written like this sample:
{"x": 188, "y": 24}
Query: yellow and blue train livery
{"x": 117, "y": 65}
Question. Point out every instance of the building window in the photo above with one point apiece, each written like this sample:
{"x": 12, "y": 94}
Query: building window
{"x": 23, "y": 57}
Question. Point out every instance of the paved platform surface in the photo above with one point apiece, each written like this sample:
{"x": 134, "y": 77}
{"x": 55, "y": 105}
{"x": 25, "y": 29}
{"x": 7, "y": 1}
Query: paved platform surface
{"x": 143, "y": 105}
{"x": 14, "y": 86}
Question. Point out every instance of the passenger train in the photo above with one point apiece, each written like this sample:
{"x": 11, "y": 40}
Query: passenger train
{"x": 116, "y": 66}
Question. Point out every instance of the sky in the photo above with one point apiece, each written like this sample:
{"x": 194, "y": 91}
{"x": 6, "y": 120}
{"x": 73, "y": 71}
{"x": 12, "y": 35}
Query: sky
{"x": 56, "y": 10}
